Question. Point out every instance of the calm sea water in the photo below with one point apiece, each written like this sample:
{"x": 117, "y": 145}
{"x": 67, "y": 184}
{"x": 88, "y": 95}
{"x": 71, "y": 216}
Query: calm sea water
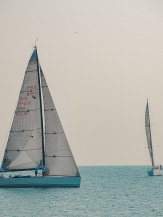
{"x": 105, "y": 191}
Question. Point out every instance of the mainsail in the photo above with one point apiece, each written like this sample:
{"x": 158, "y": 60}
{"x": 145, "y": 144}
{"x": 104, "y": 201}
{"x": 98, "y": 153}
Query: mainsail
{"x": 24, "y": 150}
{"x": 37, "y": 136}
{"x": 59, "y": 160}
{"x": 148, "y": 134}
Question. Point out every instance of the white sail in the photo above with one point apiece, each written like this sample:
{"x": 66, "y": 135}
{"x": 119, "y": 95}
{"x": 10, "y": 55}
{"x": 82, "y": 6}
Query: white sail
{"x": 24, "y": 147}
{"x": 59, "y": 160}
{"x": 148, "y": 134}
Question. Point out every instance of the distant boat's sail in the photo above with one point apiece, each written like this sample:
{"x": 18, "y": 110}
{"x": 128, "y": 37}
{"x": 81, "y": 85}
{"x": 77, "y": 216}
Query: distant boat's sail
{"x": 148, "y": 134}
{"x": 59, "y": 160}
{"x": 24, "y": 146}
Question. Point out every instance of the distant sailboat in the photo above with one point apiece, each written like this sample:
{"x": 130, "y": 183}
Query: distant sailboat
{"x": 155, "y": 170}
{"x": 37, "y": 139}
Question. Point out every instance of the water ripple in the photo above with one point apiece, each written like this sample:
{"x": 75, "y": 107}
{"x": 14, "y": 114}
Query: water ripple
{"x": 105, "y": 191}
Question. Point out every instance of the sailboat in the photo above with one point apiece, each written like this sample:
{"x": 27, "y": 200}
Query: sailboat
{"x": 155, "y": 170}
{"x": 37, "y": 138}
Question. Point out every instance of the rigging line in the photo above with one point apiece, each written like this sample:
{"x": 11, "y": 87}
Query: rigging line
{"x": 57, "y": 122}
{"x": 49, "y": 110}
{"x": 32, "y": 110}
{"x": 54, "y": 133}
{"x": 57, "y": 156}
{"x": 24, "y": 150}
{"x": 55, "y": 150}
{"x": 31, "y": 71}
{"x": 28, "y": 91}
{"x": 21, "y": 131}
{"x": 29, "y": 139}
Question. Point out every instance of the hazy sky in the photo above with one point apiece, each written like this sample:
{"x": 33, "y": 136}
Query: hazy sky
{"x": 102, "y": 59}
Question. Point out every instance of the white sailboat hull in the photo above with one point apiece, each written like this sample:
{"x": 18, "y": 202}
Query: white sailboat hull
{"x": 27, "y": 182}
{"x": 155, "y": 172}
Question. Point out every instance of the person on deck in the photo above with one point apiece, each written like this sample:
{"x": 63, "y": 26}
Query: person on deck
{"x": 1, "y": 176}
{"x": 43, "y": 170}
{"x": 36, "y": 171}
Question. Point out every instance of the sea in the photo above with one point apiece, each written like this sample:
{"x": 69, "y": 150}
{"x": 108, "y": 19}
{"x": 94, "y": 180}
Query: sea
{"x": 114, "y": 191}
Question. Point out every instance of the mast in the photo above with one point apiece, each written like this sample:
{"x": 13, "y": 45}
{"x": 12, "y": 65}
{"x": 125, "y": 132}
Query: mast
{"x": 41, "y": 114}
{"x": 150, "y": 145}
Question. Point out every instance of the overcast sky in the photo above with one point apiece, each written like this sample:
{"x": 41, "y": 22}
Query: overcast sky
{"x": 102, "y": 59}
